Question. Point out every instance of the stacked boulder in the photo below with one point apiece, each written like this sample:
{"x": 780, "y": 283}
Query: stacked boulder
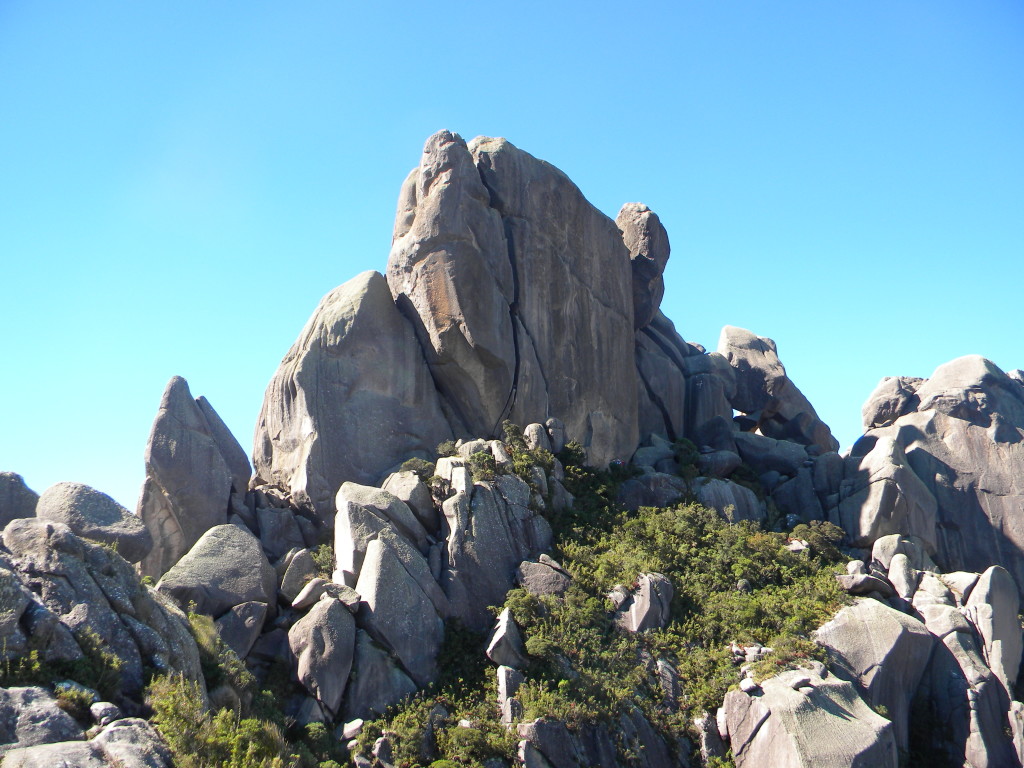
{"x": 942, "y": 459}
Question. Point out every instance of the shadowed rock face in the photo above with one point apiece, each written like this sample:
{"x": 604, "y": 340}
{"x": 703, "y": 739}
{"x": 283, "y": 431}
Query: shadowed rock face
{"x": 521, "y": 292}
{"x": 352, "y": 398}
{"x": 958, "y": 441}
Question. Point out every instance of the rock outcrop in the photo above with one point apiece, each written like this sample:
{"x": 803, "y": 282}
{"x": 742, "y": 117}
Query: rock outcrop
{"x": 356, "y": 369}
{"x": 95, "y": 516}
{"x": 188, "y": 482}
{"x": 943, "y": 459}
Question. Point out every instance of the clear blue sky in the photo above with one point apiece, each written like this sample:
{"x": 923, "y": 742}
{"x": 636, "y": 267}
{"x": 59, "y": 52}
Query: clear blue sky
{"x": 180, "y": 183}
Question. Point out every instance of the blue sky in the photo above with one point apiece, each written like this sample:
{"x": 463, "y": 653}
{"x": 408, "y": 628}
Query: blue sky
{"x": 181, "y": 182}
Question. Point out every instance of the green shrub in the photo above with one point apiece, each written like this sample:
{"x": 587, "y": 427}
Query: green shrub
{"x": 447, "y": 448}
{"x": 323, "y": 557}
{"x": 220, "y": 664}
{"x": 76, "y": 702}
{"x": 482, "y": 465}
{"x": 423, "y": 469}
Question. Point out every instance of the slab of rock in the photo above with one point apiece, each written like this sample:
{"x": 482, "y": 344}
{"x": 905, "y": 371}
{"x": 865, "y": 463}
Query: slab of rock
{"x": 188, "y": 483}
{"x": 356, "y": 369}
{"x": 992, "y": 607}
{"x": 964, "y": 443}
{"x": 225, "y": 568}
{"x": 323, "y": 644}
{"x": 95, "y": 516}
{"x": 240, "y": 627}
{"x": 399, "y": 613}
{"x": 30, "y": 716}
{"x": 821, "y": 722}
{"x": 73, "y": 754}
{"x": 542, "y": 579}
{"x": 133, "y": 743}
{"x": 647, "y": 606}
{"x": 279, "y": 531}
{"x": 378, "y": 682}
{"x": 234, "y": 455}
{"x": 505, "y": 645}
{"x": 408, "y": 487}
{"x": 76, "y": 585}
{"x": 733, "y": 501}
{"x": 16, "y": 499}
{"x": 661, "y": 380}
{"x": 481, "y": 253}
{"x": 894, "y": 396}
{"x": 653, "y": 489}
{"x": 882, "y": 651}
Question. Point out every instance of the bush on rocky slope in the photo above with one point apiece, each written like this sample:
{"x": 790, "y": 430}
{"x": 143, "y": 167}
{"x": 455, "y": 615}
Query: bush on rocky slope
{"x": 583, "y": 668}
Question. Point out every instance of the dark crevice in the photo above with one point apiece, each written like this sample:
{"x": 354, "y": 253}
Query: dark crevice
{"x": 670, "y": 432}
{"x": 664, "y": 346}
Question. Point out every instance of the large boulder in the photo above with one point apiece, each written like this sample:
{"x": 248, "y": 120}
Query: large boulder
{"x": 490, "y": 245}
{"x": 799, "y": 719}
{"x": 399, "y": 612}
{"x": 993, "y": 608}
{"x": 882, "y": 651}
{"x": 188, "y": 482}
{"x": 649, "y": 250}
{"x": 951, "y": 464}
{"x": 225, "y": 568}
{"x": 323, "y": 644}
{"x": 16, "y": 499}
{"x": 766, "y": 393}
{"x": 95, "y": 516}
{"x": 378, "y": 682}
{"x": 355, "y": 370}
{"x": 30, "y": 716}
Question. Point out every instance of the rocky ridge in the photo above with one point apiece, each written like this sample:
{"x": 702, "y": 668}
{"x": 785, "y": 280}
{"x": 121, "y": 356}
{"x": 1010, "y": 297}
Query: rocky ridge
{"x": 509, "y": 298}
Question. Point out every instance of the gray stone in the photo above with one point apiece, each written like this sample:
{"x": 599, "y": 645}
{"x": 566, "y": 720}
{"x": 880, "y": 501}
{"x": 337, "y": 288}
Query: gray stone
{"x": 399, "y": 613}
{"x": 796, "y": 496}
{"x": 188, "y": 482}
{"x": 733, "y": 501}
{"x": 310, "y": 593}
{"x": 133, "y": 743}
{"x": 894, "y": 396}
{"x": 279, "y": 531}
{"x": 241, "y": 625}
{"x": 718, "y": 463}
{"x": 95, "y": 516}
{"x": 556, "y": 433}
{"x": 30, "y": 716}
{"x": 480, "y": 256}
{"x": 363, "y": 512}
{"x": 903, "y": 578}
{"x": 377, "y": 684}
{"x": 356, "y": 369}
{"x": 505, "y": 645}
{"x": 882, "y": 495}
{"x": 301, "y": 569}
{"x": 62, "y": 754}
{"x": 17, "y": 500}
{"x": 765, "y": 454}
{"x": 104, "y": 712}
{"x": 882, "y": 651}
{"x": 80, "y": 585}
{"x": 542, "y": 579}
{"x": 536, "y": 436}
{"x": 764, "y": 389}
{"x": 408, "y": 487}
{"x": 647, "y": 606}
{"x": 649, "y": 250}
{"x": 654, "y": 489}
{"x": 823, "y": 723}
{"x": 509, "y": 680}
{"x": 225, "y": 568}
{"x": 234, "y": 455}
{"x": 323, "y": 644}
{"x": 865, "y": 584}
{"x": 992, "y": 607}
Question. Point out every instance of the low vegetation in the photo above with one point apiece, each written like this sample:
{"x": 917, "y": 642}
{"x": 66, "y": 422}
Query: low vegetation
{"x": 582, "y": 667}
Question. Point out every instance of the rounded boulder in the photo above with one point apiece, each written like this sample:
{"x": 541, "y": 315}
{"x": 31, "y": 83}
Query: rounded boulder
{"x": 93, "y": 515}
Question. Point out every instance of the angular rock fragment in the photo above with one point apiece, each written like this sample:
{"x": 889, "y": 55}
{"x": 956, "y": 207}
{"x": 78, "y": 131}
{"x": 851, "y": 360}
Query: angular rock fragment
{"x": 505, "y": 645}
{"x": 648, "y": 606}
{"x": 323, "y": 644}
{"x": 16, "y": 499}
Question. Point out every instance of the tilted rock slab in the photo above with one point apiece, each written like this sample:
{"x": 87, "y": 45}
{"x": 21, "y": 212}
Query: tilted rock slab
{"x": 800, "y": 719}
{"x": 521, "y": 292}
{"x": 225, "y": 568}
{"x": 323, "y": 643}
{"x": 884, "y": 652}
{"x": 16, "y": 498}
{"x": 356, "y": 374}
{"x": 188, "y": 481}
